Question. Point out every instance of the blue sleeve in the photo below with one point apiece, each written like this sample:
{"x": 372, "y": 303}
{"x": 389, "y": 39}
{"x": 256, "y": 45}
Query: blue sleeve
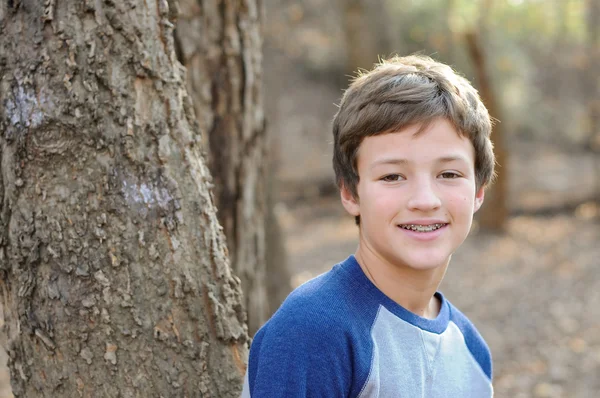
{"x": 300, "y": 355}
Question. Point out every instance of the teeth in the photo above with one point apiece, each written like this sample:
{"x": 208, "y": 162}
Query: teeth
{"x": 422, "y": 228}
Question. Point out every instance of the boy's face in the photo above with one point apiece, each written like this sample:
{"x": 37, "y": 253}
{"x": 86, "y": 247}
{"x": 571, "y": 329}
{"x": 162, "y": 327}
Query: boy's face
{"x": 416, "y": 195}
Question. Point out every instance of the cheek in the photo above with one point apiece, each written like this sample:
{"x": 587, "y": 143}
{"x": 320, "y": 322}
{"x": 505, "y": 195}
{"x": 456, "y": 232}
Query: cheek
{"x": 380, "y": 202}
{"x": 461, "y": 204}
{"x": 386, "y": 201}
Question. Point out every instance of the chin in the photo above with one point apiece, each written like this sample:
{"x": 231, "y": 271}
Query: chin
{"x": 424, "y": 263}
{"x": 425, "y": 266}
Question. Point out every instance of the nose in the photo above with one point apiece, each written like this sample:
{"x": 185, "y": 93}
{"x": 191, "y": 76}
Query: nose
{"x": 423, "y": 197}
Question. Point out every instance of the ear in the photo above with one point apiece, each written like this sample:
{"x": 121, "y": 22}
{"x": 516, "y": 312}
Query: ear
{"x": 479, "y": 195}
{"x": 349, "y": 202}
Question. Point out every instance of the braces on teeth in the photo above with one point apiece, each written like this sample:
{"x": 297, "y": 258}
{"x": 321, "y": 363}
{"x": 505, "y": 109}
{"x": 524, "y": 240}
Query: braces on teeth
{"x": 422, "y": 228}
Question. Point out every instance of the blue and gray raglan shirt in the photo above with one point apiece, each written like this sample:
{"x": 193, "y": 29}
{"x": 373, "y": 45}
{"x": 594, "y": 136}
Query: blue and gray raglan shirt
{"x": 339, "y": 336}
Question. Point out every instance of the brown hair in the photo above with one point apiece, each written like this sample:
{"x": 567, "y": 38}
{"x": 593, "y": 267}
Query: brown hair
{"x": 402, "y": 91}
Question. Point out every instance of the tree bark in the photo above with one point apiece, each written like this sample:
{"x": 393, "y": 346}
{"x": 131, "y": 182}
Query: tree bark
{"x": 115, "y": 278}
{"x": 361, "y": 45}
{"x": 220, "y": 45}
{"x": 494, "y": 214}
{"x": 593, "y": 82}
{"x": 450, "y": 11}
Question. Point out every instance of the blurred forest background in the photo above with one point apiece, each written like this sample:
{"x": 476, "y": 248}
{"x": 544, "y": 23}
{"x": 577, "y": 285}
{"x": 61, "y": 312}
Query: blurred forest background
{"x": 532, "y": 290}
{"x": 530, "y": 280}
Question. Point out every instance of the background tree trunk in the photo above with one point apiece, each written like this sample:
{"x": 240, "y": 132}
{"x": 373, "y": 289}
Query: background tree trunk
{"x": 360, "y": 39}
{"x": 115, "y": 278}
{"x": 220, "y": 44}
{"x": 451, "y": 17}
{"x": 494, "y": 213}
{"x": 593, "y": 82}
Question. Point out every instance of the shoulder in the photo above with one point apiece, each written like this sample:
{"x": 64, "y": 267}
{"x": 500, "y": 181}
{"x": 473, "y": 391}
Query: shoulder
{"x": 306, "y": 346}
{"x": 473, "y": 339}
{"x": 324, "y": 317}
{"x": 320, "y": 305}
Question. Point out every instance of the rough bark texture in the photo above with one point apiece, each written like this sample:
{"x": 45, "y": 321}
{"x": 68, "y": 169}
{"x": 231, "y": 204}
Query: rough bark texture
{"x": 115, "y": 279}
{"x": 220, "y": 44}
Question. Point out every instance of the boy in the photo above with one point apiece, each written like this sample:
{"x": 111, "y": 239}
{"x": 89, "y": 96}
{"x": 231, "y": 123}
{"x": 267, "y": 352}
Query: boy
{"x": 412, "y": 157}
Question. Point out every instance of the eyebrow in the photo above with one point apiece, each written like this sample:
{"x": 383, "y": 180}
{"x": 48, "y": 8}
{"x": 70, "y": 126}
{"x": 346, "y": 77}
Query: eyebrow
{"x": 401, "y": 161}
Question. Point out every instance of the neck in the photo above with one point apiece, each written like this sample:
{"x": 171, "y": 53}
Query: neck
{"x": 410, "y": 288}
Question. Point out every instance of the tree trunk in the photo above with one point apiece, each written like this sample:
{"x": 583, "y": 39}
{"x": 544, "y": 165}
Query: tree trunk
{"x": 220, "y": 45}
{"x": 361, "y": 45}
{"x": 115, "y": 278}
{"x": 593, "y": 82}
{"x": 494, "y": 214}
{"x": 452, "y": 31}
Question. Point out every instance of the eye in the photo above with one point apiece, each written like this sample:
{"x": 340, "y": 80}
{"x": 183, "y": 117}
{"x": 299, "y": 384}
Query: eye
{"x": 392, "y": 178}
{"x": 449, "y": 175}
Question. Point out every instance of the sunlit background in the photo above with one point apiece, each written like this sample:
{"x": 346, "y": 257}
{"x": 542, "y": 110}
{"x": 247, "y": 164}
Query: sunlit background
{"x": 528, "y": 275}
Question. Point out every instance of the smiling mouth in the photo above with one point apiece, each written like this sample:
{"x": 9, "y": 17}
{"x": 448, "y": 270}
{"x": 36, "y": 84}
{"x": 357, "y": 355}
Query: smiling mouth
{"x": 422, "y": 228}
